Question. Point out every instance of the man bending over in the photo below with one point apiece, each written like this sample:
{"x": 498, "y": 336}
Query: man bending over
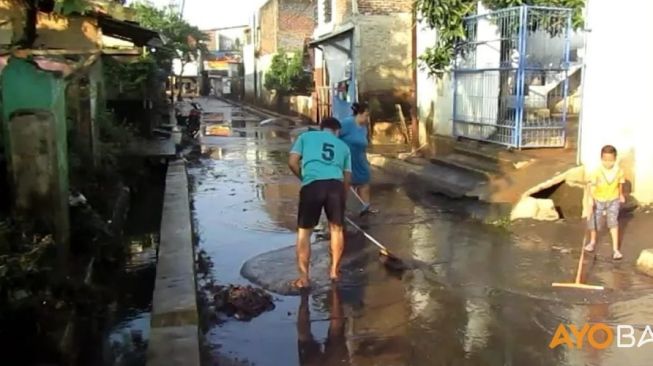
{"x": 323, "y": 163}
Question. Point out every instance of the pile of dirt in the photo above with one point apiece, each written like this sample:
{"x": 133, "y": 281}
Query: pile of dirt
{"x": 240, "y": 302}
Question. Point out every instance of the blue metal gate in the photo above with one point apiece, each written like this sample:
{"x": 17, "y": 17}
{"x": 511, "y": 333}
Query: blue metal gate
{"x": 511, "y": 79}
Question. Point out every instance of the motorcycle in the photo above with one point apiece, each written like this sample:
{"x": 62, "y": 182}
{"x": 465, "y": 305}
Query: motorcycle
{"x": 194, "y": 120}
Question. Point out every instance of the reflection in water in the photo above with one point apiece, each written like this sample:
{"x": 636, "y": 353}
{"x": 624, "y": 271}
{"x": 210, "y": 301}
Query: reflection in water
{"x": 490, "y": 304}
{"x": 334, "y": 351}
{"x": 423, "y": 251}
{"x": 214, "y": 152}
{"x": 478, "y": 320}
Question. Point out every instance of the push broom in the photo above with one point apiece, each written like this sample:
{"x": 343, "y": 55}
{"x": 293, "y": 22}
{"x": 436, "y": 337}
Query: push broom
{"x": 579, "y": 272}
{"x": 389, "y": 260}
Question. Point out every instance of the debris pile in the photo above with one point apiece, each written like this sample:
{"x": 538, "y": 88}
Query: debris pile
{"x": 241, "y": 302}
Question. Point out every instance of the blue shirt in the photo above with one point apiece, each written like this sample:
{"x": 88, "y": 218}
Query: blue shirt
{"x": 324, "y": 156}
{"x": 355, "y": 136}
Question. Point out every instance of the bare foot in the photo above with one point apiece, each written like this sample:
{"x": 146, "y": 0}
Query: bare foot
{"x": 334, "y": 276}
{"x": 590, "y": 247}
{"x": 617, "y": 255}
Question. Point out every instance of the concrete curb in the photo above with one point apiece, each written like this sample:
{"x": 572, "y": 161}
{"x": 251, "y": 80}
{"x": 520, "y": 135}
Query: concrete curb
{"x": 174, "y": 338}
{"x": 262, "y": 112}
{"x": 449, "y": 182}
{"x": 436, "y": 179}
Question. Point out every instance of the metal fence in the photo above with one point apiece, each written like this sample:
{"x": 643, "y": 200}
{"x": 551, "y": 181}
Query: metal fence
{"x": 511, "y": 77}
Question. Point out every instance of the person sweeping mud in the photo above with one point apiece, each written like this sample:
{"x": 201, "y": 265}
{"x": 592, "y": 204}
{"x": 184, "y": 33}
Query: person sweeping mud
{"x": 323, "y": 163}
{"x": 354, "y": 134}
{"x": 606, "y": 198}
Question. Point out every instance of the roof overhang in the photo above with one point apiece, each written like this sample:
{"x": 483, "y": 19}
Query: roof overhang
{"x": 331, "y": 36}
{"x": 129, "y": 31}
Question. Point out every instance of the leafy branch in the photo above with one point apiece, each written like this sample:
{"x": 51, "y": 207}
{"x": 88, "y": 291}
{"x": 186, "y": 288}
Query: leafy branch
{"x": 447, "y": 18}
{"x": 183, "y": 41}
{"x": 287, "y": 75}
{"x": 131, "y": 75}
{"x": 67, "y": 7}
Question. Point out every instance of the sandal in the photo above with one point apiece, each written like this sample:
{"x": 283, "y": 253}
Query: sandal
{"x": 367, "y": 209}
{"x": 590, "y": 247}
{"x": 617, "y": 256}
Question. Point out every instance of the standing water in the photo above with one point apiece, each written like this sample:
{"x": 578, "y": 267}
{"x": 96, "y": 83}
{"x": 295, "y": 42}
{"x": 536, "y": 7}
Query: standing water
{"x": 483, "y": 296}
{"x": 131, "y": 287}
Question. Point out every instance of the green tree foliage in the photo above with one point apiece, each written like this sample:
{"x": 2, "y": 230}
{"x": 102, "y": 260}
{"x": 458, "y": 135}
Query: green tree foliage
{"x": 67, "y": 7}
{"x": 446, "y": 16}
{"x": 287, "y": 75}
{"x": 182, "y": 40}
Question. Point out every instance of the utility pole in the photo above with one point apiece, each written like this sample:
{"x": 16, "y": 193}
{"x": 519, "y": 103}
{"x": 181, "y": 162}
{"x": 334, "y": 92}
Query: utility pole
{"x": 413, "y": 96}
{"x": 181, "y": 9}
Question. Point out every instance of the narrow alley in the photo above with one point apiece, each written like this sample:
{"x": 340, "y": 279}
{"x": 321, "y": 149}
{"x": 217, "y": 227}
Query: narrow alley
{"x": 484, "y": 296}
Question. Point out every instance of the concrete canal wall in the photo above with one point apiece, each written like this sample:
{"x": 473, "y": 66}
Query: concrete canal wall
{"x": 174, "y": 337}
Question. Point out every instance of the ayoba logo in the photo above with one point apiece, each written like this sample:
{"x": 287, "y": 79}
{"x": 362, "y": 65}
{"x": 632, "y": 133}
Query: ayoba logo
{"x": 601, "y": 336}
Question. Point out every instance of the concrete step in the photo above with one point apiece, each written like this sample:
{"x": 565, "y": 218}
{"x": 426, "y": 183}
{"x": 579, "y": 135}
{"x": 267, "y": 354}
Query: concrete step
{"x": 436, "y": 178}
{"x": 496, "y": 155}
{"x": 476, "y": 165}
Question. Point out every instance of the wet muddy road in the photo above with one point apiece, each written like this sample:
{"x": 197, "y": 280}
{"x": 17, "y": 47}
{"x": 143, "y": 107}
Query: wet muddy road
{"x": 489, "y": 303}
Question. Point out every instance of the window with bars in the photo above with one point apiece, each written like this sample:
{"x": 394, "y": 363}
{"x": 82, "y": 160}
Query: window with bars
{"x": 327, "y": 9}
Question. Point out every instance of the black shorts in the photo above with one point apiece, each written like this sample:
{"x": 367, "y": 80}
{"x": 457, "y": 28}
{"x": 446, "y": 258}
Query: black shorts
{"x": 321, "y": 194}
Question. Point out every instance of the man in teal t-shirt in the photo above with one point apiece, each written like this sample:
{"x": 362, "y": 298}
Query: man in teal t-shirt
{"x": 323, "y": 163}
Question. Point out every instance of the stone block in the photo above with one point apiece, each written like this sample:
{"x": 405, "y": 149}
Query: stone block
{"x": 535, "y": 208}
{"x": 172, "y": 346}
{"x": 174, "y": 300}
{"x": 645, "y": 262}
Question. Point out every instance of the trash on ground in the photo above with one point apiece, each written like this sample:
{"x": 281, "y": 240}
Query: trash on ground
{"x": 218, "y": 130}
{"x": 241, "y": 302}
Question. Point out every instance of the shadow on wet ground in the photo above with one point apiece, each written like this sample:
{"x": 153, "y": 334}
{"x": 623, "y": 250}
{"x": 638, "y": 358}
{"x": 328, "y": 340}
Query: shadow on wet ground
{"x": 491, "y": 303}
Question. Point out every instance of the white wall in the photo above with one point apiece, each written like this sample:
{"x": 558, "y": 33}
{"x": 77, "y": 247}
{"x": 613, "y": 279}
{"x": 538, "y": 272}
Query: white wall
{"x": 229, "y": 36}
{"x": 249, "y": 65}
{"x": 425, "y": 84}
{"x": 547, "y": 51}
{"x": 191, "y": 69}
{"x": 434, "y": 95}
{"x": 262, "y": 66}
{"x": 618, "y": 92}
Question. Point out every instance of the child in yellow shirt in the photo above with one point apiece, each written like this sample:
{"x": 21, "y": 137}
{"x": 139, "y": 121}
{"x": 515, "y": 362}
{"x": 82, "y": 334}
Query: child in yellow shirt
{"x": 606, "y": 197}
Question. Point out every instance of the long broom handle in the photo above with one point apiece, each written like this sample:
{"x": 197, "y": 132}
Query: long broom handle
{"x": 579, "y": 272}
{"x": 368, "y": 236}
{"x": 357, "y": 196}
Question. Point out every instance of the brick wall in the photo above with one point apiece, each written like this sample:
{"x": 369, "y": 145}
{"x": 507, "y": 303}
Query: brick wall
{"x": 211, "y": 44}
{"x": 268, "y": 23}
{"x": 384, "y": 7}
{"x": 296, "y": 23}
{"x": 342, "y": 11}
{"x": 384, "y": 61}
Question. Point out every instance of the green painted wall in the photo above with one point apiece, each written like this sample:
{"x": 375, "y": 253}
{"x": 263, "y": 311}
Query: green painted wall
{"x": 25, "y": 86}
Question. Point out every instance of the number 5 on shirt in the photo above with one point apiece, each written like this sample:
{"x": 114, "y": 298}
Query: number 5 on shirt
{"x": 328, "y": 152}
